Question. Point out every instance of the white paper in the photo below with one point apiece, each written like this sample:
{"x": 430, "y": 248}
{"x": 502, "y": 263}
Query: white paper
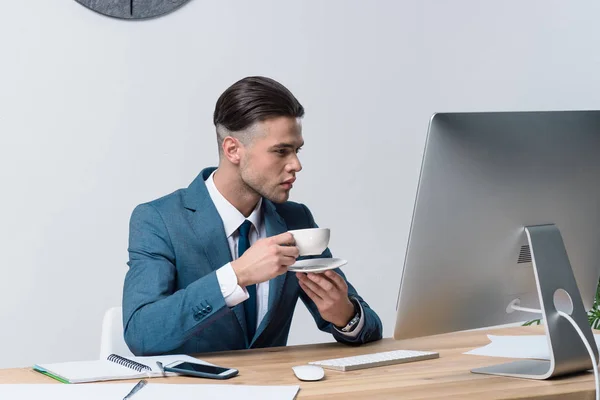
{"x": 525, "y": 346}
{"x": 152, "y": 391}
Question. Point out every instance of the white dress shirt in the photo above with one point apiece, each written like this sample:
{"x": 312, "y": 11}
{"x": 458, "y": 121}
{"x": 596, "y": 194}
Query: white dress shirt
{"x": 232, "y": 220}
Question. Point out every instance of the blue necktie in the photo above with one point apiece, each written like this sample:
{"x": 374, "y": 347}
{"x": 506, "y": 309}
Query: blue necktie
{"x": 250, "y": 304}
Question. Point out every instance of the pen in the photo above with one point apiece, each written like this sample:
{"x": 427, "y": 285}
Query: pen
{"x": 135, "y": 389}
{"x": 160, "y": 366}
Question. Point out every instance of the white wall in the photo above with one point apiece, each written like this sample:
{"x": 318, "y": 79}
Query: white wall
{"x": 98, "y": 115}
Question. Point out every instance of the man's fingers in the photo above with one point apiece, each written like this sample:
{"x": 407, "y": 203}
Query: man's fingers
{"x": 337, "y": 280}
{"x": 323, "y": 282}
{"x": 287, "y": 261}
{"x": 312, "y": 295}
{"x": 282, "y": 239}
{"x": 316, "y": 288}
{"x": 289, "y": 251}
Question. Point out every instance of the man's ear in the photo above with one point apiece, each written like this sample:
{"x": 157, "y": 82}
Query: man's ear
{"x": 231, "y": 149}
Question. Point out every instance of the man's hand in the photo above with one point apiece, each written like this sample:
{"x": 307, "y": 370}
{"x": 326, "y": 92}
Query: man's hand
{"x": 266, "y": 259}
{"x": 329, "y": 292}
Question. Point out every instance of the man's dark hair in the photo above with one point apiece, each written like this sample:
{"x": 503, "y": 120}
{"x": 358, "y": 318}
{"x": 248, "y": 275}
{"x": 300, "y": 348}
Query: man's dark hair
{"x": 254, "y": 99}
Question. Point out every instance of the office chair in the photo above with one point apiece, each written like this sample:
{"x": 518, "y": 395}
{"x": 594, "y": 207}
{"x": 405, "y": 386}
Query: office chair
{"x": 112, "y": 341}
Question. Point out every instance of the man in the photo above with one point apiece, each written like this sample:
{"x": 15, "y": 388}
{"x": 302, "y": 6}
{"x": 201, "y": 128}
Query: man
{"x": 208, "y": 264}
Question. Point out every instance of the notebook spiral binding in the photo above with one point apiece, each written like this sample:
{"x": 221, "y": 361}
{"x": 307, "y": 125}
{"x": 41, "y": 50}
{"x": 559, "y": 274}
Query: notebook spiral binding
{"x": 128, "y": 363}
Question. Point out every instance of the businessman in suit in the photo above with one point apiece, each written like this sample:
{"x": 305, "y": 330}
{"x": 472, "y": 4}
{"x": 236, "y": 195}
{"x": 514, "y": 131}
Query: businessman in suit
{"x": 208, "y": 264}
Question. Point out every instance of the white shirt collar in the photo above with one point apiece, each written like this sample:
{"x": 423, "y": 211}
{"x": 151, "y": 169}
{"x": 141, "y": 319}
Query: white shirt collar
{"x": 231, "y": 216}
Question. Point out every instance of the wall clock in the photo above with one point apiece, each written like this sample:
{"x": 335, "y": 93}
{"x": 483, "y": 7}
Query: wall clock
{"x": 133, "y": 9}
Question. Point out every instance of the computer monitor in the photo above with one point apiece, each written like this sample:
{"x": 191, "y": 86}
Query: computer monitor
{"x": 492, "y": 185}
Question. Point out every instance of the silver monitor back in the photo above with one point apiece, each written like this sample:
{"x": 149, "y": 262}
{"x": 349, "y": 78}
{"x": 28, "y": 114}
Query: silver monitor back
{"x": 484, "y": 177}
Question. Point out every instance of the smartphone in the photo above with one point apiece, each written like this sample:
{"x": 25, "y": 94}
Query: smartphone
{"x": 201, "y": 370}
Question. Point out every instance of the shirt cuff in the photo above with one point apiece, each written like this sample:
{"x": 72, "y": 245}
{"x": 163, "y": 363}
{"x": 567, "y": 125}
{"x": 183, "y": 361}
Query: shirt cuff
{"x": 233, "y": 293}
{"x": 361, "y": 322}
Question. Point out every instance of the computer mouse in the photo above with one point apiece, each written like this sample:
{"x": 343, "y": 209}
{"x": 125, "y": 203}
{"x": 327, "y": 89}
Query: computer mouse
{"x": 309, "y": 372}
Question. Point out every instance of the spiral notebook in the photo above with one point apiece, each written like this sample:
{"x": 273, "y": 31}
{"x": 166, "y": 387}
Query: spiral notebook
{"x": 114, "y": 367}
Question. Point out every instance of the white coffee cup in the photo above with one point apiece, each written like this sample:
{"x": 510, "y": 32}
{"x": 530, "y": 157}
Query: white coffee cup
{"x": 312, "y": 241}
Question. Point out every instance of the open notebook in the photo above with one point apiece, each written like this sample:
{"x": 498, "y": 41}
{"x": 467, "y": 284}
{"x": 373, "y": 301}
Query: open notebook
{"x": 113, "y": 368}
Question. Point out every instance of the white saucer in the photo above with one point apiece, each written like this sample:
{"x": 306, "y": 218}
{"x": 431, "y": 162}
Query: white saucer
{"x": 317, "y": 264}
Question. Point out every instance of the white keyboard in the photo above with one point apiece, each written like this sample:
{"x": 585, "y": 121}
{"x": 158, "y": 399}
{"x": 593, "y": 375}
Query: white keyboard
{"x": 375, "y": 359}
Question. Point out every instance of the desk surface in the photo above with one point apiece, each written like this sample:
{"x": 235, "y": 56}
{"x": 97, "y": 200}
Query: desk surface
{"x": 447, "y": 377}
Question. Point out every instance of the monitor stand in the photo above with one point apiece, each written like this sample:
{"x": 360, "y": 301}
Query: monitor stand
{"x": 553, "y": 272}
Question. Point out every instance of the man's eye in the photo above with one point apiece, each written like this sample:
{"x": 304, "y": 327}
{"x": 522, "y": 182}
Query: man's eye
{"x": 281, "y": 151}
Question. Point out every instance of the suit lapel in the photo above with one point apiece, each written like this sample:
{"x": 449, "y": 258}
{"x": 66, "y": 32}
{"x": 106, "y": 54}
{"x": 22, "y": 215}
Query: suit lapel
{"x": 208, "y": 227}
{"x": 274, "y": 225}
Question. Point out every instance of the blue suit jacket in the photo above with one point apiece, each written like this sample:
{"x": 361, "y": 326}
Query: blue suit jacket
{"x": 172, "y": 302}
